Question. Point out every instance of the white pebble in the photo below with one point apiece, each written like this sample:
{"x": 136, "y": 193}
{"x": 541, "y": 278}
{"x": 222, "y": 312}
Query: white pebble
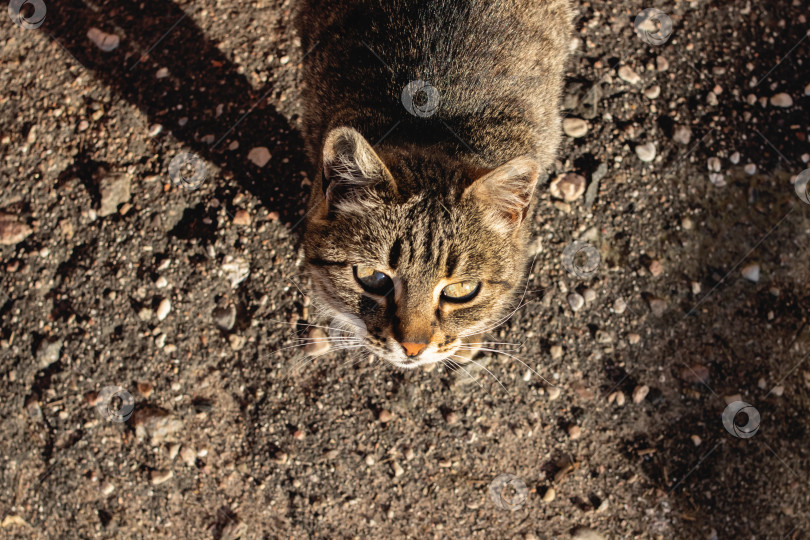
{"x": 750, "y": 169}
{"x": 714, "y": 164}
{"x": 735, "y": 158}
{"x": 259, "y": 155}
{"x": 589, "y": 295}
{"x": 652, "y": 92}
{"x": 553, "y": 392}
{"x": 163, "y": 309}
{"x": 104, "y": 41}
{"x": 619, "y": 306}
{"x": 717, "y": 179}
{"x": 162, "y": 73}
{"x": 154, "y": 130}
{"x": 576, "y": 301}
{"x": 575, "y": 127}
{"x": 782, "y": 100}
{"x": 646, "y": 152}
{"x": 751, "y": 272}
{"x": 628, "y": 75}
{"x": 778, "y": 390}
{"x": 807, "y": 90}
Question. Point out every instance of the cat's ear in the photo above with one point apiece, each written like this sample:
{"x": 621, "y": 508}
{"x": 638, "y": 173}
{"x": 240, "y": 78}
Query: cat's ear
{"x": 350, "y": 165}
{"x": 506, "y": 192}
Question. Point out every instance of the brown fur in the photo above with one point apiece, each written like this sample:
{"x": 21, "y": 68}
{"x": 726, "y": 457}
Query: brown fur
{"x": 440, "y": 198}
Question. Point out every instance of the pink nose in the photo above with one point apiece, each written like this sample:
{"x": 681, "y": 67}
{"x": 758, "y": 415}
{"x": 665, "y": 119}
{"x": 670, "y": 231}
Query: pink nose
{"x": 412, "y": 349}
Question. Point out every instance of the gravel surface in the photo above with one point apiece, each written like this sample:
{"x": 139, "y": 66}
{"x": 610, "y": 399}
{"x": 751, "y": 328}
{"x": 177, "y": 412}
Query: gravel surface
{"x": 656, "y": 383}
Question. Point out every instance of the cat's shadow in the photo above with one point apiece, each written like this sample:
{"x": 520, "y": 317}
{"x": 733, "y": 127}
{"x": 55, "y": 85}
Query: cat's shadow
{"x": 204, "y": 101}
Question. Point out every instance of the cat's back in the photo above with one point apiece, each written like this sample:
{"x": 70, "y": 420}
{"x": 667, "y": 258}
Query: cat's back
{"x": 493, "y": 69}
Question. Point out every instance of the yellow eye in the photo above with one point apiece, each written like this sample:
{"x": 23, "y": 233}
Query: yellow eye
{"x": 461, "y": 292}
{"x": 373, "y": 280}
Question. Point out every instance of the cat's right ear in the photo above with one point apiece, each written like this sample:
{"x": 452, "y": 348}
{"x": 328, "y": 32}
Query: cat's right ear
{"x": 351, "y": 168}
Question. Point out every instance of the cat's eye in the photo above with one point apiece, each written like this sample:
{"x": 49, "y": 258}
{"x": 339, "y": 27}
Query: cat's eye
{"x": 463, "y": 291}
{"x": 373, "y": 281}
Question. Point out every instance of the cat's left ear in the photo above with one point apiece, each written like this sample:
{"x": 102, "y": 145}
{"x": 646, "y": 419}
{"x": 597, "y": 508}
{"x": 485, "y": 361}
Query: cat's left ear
{"x": 350, "y": 165}
{"x": 506, "y": 192}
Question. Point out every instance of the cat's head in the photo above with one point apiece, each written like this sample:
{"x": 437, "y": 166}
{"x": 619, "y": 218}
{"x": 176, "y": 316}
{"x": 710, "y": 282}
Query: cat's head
{"x": 415, "y": 253}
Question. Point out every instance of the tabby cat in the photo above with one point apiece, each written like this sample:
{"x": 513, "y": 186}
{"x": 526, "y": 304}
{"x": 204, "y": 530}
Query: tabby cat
{"x": 430, "y": 123}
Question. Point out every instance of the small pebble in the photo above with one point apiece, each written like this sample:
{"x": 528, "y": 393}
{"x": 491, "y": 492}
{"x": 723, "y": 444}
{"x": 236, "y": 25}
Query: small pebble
{"x": 751, "y": 272}
{"x": 188, "y": 455}
{"x": 161, "y": 282}
{"x": 682, "y": 134}
{"x": 762, "y": 383}
{"x": 628, "y": 75}
{"x": 603, "y": 337}
{"x": 711, "y": 99}
{"x": 159, "y": 477}
{"x": 714, "y": 164}
{"x": 155, "y": 130}
{"x": 224, "y": 317}
{"x": 735, "y": 158}
{"x": 280, "y": 458}
{"x": 163, "y": 309}
{"x": 575, "y": 127}
{"x": 576, "y": 301}
{"x": 385, "y": 416}
{"x": 640, "y": 392}
{"x": 568, "y": 187}
{"x": 589, "y": 295}
{"x": 237, "y": 342}
{"x": 549, "y": 495}
{"x": 162, "y": 73}
{"x": 656, "y": 268}
{"x": 619, "y": 306}
{"x": 553, "y": 392}
{"x": 106, "y": 488}
{"x": 574, "y": 432}
{"x": 750, "y": 169}
{"x": 450, "y": 417}
{"x": 661, "y": 63}
{"x": 317, "y": 343}
{"x": 259, "y": 156}
{"x": 556, "y": 352}
{"x": 620, "y": 399}
{"x": 782, "y": 100}
{"x": 145, "y": 389}
{"x": 696, "y": 440}
{"x": 652, "y": 92}
{"x": 646, "y": 152}
{"x": 633, "y": 338}
{"x": 104, "y": 41}
{"x": 242, "y": 218}
{"x": 657, "y": 305}
{"x": 695, "y": 374}
{"x": 298, "y": 435}
{"x": 370, "y": 460}
{"x": 778, "y": 390}
{"x": 717, "y": 179}
{"x": 398, "y": 470}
